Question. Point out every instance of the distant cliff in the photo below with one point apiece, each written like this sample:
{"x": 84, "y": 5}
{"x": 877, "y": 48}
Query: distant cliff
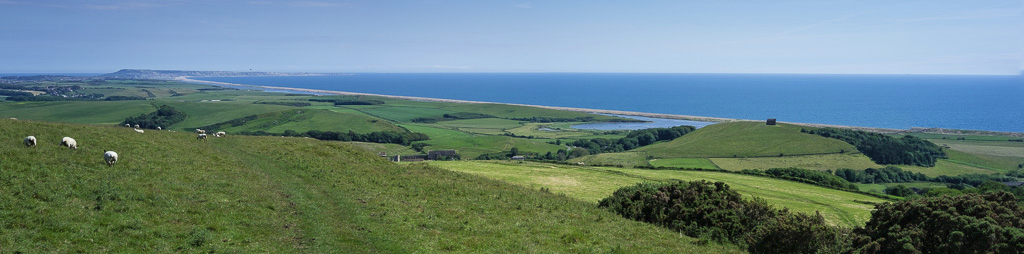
{"x": 173, "y": 74}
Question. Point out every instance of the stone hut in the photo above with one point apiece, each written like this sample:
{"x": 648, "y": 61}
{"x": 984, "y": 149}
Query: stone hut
{"x": 771, "y": 121}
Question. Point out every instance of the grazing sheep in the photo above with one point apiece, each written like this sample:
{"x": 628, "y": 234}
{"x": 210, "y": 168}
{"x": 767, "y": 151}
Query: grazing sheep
{"x": 69, "y": 142}
{"x": 221, "y": 134}
{"x": 140, "y": 131}
{"x": 127, "y": 125}
{"x": 201, "y": 136}
{"x": 158, "y": 128}
{"x": 136, "y": 126}
{"x": 30, "y": 141}
{"x": 200, "y": 131}
{"x": 110, "y": 157}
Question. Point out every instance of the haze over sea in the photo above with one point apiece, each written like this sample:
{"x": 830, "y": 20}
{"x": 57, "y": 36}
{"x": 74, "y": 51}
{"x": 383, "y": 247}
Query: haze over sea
{"x": 993, "y": 103}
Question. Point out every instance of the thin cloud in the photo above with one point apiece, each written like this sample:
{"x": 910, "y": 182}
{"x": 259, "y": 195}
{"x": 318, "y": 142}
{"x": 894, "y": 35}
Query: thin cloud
{"x": 318, "y": 4}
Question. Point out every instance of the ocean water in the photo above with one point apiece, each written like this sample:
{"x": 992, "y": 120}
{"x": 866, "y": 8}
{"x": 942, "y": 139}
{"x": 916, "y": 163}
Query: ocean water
{"x": 994, "y": 103}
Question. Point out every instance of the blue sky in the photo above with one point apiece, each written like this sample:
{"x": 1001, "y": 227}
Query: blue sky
{"x": 892, "y": 37}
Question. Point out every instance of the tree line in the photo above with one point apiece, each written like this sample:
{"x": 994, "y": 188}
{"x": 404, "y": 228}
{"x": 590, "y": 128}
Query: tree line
{"x": 885, "y": 149}
{"x": 633, "y": 140}
{"x": 385, "y": 137}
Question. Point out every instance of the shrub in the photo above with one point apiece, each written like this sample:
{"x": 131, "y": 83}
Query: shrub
{"x": 969, "y": 223}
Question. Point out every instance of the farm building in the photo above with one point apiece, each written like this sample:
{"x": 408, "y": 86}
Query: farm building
{"x": 771, "y": 121}
{"x": 441, "y": 154}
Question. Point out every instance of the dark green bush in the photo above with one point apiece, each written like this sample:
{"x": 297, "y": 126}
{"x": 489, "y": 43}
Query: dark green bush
{"x": 972, "y": 223}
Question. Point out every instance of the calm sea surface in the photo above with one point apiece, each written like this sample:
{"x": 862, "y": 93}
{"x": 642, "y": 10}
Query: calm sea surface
{"x": 993, "y": 103}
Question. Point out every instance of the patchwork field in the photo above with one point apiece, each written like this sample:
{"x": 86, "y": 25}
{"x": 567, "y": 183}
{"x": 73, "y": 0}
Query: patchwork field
{"x": 684, "y": 163}
{"x": 593, "y": 184}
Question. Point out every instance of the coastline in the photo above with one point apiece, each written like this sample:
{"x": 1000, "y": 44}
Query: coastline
{"x": 618, "y": 112}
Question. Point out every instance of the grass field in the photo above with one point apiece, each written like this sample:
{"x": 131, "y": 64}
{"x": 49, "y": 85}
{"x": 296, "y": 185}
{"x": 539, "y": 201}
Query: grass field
{"x": 817, "y": 162}
{"x": 745, "y": 139}
{"x": 302, "y": 120}
{"x": 684, "y": 163}
{"x": 470, "y": 145}
{"x": 172, "y": 193}
{"x": 93, "y": 112}
{"x": 625, "y": 159}
{"x": 879, "y": 187}
{"x": 592, "y": 184}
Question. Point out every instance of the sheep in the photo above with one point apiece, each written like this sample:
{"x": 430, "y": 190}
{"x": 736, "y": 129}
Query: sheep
{"x": 136, "y": 126}
{"x": 30, "y": 141}
{"x": 158, "y": 128}
{"x": 69, "y": 142}
{"x": 110, "y": 157}
{"x": 127, "y": 125}
{"x": 201, "y": 136}
{"x": 221, "y": 134}
{"x": 140, "y": 131}
{"x": 200, "y": 131}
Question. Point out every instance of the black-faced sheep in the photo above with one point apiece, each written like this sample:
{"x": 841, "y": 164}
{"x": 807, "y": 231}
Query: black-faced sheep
{"x": 30, "y": 141}
{"x": 69, "y": 142}
{"x": 110, "y": 157}
{"x": 201, "y": 136}
{"x": 221, "y": 134}
{"x": 158, "y": 128}
{"x": 136, "y": 126}
{"x": 200, "y": 131}
{"x": 127, "y": 125}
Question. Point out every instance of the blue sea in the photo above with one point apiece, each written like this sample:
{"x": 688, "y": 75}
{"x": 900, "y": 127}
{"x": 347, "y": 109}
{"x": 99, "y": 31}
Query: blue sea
{"x": 994, "y": 103}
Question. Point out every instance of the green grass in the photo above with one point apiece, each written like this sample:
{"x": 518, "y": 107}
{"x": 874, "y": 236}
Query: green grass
{"x": 302, "y": 120}
{"x": 954, "y": 137}
{"x": 947, "y": 167}
{"x": 994, "y": 162}
{"x": 470, "y": 146}
{"x": 745, "y": 139}
{"x": 400, "y": 114}
{"x": 592, "y": 184}
{"x": 533, "y": 129}
{"x": 172, "y": 193}
{"x": 94, "y": 112}
{"x": 684, "y": 163}
{"x": 817, "y": 162}
{"x": 879, "y": 187}
{"x": 626, "y": 159}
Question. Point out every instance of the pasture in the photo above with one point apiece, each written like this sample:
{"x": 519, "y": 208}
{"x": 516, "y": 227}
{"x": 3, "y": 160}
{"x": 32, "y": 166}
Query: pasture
{"x": 239, "y": 194}
{"x": 595, "y": 183}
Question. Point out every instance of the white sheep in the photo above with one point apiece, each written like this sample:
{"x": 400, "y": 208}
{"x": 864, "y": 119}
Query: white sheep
{"x": 110, "y": 157}
{"x": 221, "y": 134}
{"x": 201, "y": 136}
{"x": 158, "y": 128}
{"x": 127, "y": 125}
{"x": 200, "y": 131}
{"x": 140, "y": 131}
{"x": 69, "y": 142}
{"x": 136, "y": 126}
{"x": 30, "y": 141}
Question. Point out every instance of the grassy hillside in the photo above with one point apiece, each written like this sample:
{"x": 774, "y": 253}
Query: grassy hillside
{"x": 302, "y": 120}
{"x": 592, "y": 184}
{"x": 172, "y": 193}
{"x": 745, "y": 139}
